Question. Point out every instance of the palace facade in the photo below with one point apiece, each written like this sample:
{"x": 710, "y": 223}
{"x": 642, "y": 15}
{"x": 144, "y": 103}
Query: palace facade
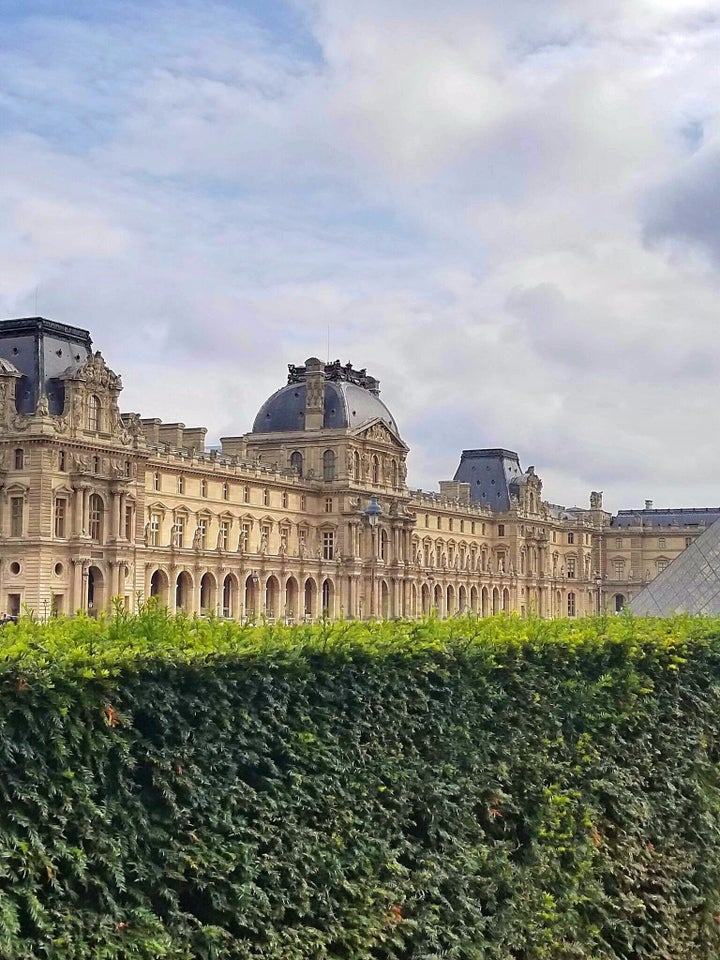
{"x": 308, "y": 515}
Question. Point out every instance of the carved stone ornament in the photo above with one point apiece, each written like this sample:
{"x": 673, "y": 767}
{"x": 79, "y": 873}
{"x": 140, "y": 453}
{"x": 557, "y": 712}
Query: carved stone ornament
{"x": 380, "y": 433}
{"x": 96, "y": 372}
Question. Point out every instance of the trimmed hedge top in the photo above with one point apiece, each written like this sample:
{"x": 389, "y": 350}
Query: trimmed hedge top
{"x": 466, "y": 790}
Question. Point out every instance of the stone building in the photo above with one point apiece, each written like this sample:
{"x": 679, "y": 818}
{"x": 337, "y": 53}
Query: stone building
{"x": 307, "y": 515}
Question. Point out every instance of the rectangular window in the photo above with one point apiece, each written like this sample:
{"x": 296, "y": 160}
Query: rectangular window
{"x": 302, "y": 502}
{"x": 328, "y": 504}
{"x": 246, "y": 494}
{"x": 439, "y": 522}
{"x": 179, "y": 532}
{"x": 450, "y": 524}
{"x": 154, "y": 529}
{"x": 618, "y": 543}
{"x": 224, "y": 537}
{"x": 17, "y": 508}
{"x": 266, "y": 497}
{"x": 60, "y": 514}
{"x": 661, "y": 543}
{"x": 328, "y": 545}
{"x": 462, "y": 526}
{"x": 661, "y": 564}
{"x": 571, "y": 568}
{"x": 181, "y": 484}
{"x": 688, "y": 541}
{"x": 226, "y": 491}
{"x": 284, "y": 500}
{"x": 19, "y": 459}
{"x": 571, "y": 538}
{"x": 501, "y": 529}
{"x": 472, "y": 527}
{"x": 128, "y": 523}
{"x": 156, "y": 481}
{"x": 13, "y": 604}
{"x": 202, "y": 532}
{"x": 571, "y": 605}
{"x": 302, "y": 538}
{"x": 619, "y": 567}
{"x": 62, "y": 462}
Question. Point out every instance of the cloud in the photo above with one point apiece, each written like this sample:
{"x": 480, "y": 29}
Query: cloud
{"x": 506, "y": 212}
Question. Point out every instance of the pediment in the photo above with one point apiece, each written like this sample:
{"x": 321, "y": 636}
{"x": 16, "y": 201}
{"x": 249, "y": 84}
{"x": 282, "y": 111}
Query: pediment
{"x": 377, "y": 431}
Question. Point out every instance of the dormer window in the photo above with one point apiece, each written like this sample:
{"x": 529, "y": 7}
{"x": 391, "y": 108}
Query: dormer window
{"x": 93, "y": 413}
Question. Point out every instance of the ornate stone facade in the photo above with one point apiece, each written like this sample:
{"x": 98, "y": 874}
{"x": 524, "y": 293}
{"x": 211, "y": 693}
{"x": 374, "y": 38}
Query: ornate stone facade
{"x": 97, "y": 505}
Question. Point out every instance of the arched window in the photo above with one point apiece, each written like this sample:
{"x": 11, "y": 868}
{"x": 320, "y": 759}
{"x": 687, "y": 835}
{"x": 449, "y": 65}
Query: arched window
{"x": 93, "y": 413}
{"x": 328, "y": 465}
{"x": 375, "y": 470}
{"x": 96, "y": 509}
{"x": 19, "y": 458}
{"x": 296, "y": 462}
{"x": 356, "y": 465}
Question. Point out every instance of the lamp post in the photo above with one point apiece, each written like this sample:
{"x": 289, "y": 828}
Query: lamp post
{"x": 373, "y": 512}
{"x": 598, "y": 585}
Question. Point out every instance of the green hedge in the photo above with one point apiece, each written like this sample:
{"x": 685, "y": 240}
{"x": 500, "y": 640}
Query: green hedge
{"x": 467, "y": 790}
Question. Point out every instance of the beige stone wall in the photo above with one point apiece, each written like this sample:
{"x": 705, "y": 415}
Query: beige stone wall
{"x": 95, "y": 506}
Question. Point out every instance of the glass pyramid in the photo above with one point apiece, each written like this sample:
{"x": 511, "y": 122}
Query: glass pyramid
{"x": 690, "y": 584}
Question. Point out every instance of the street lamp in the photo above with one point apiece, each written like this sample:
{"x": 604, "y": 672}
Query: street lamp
{"x": 598, "y": 585}
{"x": 373, "y": 512}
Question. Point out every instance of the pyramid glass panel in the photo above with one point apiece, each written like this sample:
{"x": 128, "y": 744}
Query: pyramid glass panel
{"x": 690, "y": 584}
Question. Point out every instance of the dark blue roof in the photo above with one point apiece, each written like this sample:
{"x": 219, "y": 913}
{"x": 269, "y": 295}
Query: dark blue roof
{"x": 347, "y": 405}
{"x": 677, "y": 517}
{"x": 489, "y": 472}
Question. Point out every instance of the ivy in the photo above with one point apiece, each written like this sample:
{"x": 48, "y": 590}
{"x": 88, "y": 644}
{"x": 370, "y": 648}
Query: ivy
{"x": 468, "y": 790}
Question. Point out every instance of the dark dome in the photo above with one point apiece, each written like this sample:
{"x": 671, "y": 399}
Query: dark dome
{"x": 346, "y": 405}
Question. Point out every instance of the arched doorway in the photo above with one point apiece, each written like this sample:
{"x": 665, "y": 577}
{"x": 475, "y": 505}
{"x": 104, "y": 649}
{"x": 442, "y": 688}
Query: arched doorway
{"x": 159, "y": 586}
{"x": 272, "y": 597}
{"x": 462, "y": 600}
{"x": 95, "y": 591}
{"x": 425, "y": 597}
{"x": 207, "y": 595}
{"x": 251, "y": 596}
{"x": 291, "y": 600}
{"x": 328, "y": 598}
{"x": 310, "y": 594}
{"x": 183, "y": 592}
{"x": 229, "y": 597}
{"x": 437, "y": 600}
{"x": 384, "y": 600}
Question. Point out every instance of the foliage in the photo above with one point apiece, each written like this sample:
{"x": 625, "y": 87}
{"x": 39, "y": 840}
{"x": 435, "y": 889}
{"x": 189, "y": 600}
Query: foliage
{"x": 466, "y": 790}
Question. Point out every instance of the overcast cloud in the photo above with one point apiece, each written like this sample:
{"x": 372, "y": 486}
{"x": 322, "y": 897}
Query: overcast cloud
{"x": 510, "y": 213}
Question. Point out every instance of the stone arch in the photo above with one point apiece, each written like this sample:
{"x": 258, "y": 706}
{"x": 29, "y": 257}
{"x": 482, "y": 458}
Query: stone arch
{"x": 384, "y": 600}
{"x": 272, "y": 597}
{"x": 229, "y": 596}
{"x": 309, "y": 598}
{"x": 160, "y": 586}
{"x": 462, "y": 600}
{"x": 208, "y": 593}
{"x": 328, "y": 598}
{"x": 291, "y": 599}
{"x": 474, "y": 599}
{"x": 183, "y": 592}
{"x": 96, "y": 600}
{"x": 506, "y": 600}
{"x": 495, "y": 601}
{"x": 252, "y": 587}
{"x": 450, "y": 600}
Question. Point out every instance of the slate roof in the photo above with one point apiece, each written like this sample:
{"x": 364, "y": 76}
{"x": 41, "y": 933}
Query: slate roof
{"x": 489, "y": 473}
{"x": 679, "y": 517}
{"x": 347, "y": 405}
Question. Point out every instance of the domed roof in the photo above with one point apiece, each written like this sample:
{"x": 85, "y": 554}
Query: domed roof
{"x": 348, "y": 404}
{"x": 7, "y": 367}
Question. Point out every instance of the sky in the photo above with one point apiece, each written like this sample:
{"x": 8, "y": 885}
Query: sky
{"x": 508, "y": 212}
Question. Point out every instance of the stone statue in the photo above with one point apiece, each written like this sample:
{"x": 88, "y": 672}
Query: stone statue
{"x": 596, "y": 500}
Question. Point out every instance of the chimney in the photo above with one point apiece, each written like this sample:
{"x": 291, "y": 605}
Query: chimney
{"x": 193, "y": 438}
{"x": 171, "y": 434}
{"x": 315, "y": 394}
{"x": 648, "y": 504}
